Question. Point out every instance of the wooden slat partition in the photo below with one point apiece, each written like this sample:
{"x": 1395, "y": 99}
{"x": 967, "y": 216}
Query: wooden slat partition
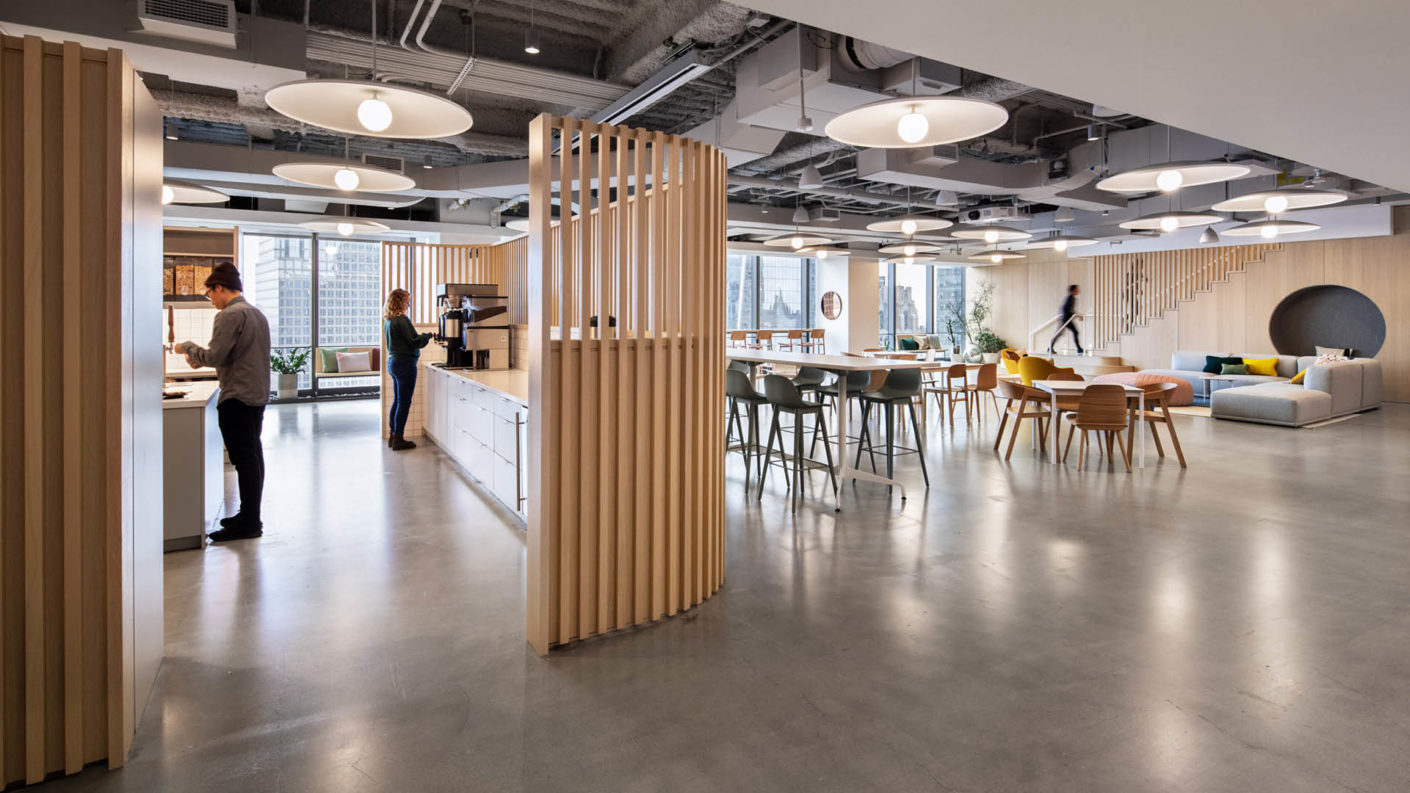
{"x": 80, "y": 416}
{"x": 626, "y": 432}
{"x": 1132, "y": 289}
{"x": 418, "y": 266}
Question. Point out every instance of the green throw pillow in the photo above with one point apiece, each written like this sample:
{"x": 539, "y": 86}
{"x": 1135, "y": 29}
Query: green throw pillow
{"x": 910, "y": 344}
{"x": 1213, "y": 364}
{"x": 1234, "y": 368}
{"x": 329, "y": 356}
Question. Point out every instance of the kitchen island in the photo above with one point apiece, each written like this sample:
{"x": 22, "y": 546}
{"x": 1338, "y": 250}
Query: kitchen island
{"x": 480, "y": 419}
{"x": 193, "y": 462}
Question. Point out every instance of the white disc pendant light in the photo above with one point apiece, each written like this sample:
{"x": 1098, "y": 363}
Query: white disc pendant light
{"x": 345, "y": 226}
{"x": 913, "y": 122}
{"x": 995, "y": 256}
{"x": 347, "y": 177}
{"x": 1271, "y": 229}
{"x": 357, "y": 107}
{"x": 823, "y": 251}
{"x": 908, "y": 249}
{"x": 1278, "y": 201}
{"x": 1172, "y": 176}
{"x": 1170, "y": 221}
{"x": 908, "y": 225}
{"x": 186, "y": 193}
{"x": 1061, "y": 242}
{"x": 991, "y": 234}
{"x": 797, "y": 241}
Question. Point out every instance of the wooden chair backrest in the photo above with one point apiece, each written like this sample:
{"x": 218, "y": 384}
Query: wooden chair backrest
{"x": 817, "y": 333}
{"x": 795, "y": 335}
{"x": 1102, "y": 406}
{"x": 1008, "y": 389}
{"x": 958, "y": 374}
{"x": 1158, "y": 393}
{"x": 987, "y": 377}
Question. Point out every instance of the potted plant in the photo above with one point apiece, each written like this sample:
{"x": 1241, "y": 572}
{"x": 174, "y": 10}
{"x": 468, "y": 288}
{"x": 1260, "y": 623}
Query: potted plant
{"x": 954, "y": 325}
{"x": 287, "y": 363}
{"x": 989, "y": 344}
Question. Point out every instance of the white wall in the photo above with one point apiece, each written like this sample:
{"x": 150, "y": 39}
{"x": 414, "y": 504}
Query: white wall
{"x": 855, "y": 279}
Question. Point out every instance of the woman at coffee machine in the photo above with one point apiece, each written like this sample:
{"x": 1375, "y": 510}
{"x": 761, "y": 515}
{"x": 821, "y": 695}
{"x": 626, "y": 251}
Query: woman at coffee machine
{"x": 403, "y": 352}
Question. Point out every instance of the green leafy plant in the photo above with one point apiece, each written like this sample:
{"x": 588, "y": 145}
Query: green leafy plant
{"x": 989, "y": 341}
{"x": 289, "y": 360}
{"x": 981, "y": 307}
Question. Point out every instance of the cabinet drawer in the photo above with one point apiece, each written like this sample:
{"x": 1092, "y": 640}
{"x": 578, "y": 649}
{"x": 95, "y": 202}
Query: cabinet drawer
{"x": 506, "y": 408}
{"x": 481, "y": 463}
{"x": 506, "y": 483}
{"x": 506, "y": 439}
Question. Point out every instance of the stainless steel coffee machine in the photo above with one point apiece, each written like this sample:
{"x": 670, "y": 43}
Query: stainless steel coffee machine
{"x": 474, "y": 326}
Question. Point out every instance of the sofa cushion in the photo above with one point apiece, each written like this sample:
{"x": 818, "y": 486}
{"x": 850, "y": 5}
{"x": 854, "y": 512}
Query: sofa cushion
{"x": 1332, "y": 350}
{"x": 1371, "y": 385}
{"x": 1214, "y": 364}
{"x": 1305, "y": 361}
{"x": 1235, "y": 368}
{"x": 1297, "y": 378}
{"x": 1184, "y": 393}
{"x": 1251, "y": 379}
{"x": 1273, "y": 403}
{"x": 1265, "y": 366}
{"x": 1191, "y": 360}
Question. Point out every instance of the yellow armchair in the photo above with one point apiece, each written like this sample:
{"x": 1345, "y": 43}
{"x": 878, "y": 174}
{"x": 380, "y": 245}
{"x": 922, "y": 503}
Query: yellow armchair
{"x": 1031, "y": 367}
{"x": 1010, "y": 357}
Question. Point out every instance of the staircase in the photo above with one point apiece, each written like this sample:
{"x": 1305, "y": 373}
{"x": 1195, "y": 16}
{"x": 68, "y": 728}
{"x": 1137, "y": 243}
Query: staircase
{"x": 1132, "y": 290}
{"x": 1092, "y": 365}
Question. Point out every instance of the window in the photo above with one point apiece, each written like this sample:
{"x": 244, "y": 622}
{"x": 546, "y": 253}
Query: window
{"x": 772, "y": 292}
{"x": 949, "y": 305}
{"x": 349, "y": 301}
{"x": 912, "y": 299}
{"x": 886, "y": 305}
{"x": 278, "y": 272}
{"x": 920, "y": 299}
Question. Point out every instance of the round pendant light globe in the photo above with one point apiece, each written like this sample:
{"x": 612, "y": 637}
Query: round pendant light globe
{"x": 1169, "y": 223}
{"x": 912, "y": 127}
{"x": 908, "y": 227}
{"x": 168, "y": 194}
{"x": 1169, "y": 180}
{"x": 345, "y": 229}
{"x": 374, "y": 114}
{"x": 1278, "y": 201}
{"x": 1275, "y": 204}
{"x": 1060, "y": 245}
{"x": 346, "y": 179}
{"x": 1268, "y": 232}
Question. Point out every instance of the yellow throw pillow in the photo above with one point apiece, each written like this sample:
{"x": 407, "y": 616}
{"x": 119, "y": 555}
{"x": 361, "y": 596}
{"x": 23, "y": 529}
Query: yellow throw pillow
{"x": 1297, "y": 378}
{"x": 1268, "y": 367}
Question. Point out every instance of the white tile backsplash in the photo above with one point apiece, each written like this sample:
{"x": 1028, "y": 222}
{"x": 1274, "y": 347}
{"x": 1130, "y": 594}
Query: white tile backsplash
{"x": 191, "y": 324}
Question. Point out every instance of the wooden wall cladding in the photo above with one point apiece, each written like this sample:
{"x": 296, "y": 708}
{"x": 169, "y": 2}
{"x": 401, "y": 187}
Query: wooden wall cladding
{"x": 418, "y": 266}
{"x": 78, "y": 187}
{"x": 626, "y": 430}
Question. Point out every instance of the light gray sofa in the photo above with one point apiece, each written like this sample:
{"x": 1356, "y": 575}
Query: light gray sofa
{"x": 1328, "y": 390}
{"x": 1188, "y": 365}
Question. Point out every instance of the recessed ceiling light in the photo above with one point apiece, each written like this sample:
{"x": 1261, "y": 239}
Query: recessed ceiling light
{"x": 357, "y": 107}
{"x": 1172, "y": 176}
{"x": 1170, "y": 221}
{"x": 908, "y": 225}
{"x": 1281, "y": 200}
{"x": 912, "y": 122}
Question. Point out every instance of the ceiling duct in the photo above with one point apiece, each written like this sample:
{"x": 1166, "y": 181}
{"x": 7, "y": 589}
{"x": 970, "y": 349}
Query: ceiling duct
{"x": 856, "y": 55}
{"x": 206, "y": 21}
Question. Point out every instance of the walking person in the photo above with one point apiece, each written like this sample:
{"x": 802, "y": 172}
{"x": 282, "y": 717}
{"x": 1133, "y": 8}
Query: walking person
{"x": 1068, "y": 321}
{"x": 403, "y": 353}
{"x": 239, "y": 351}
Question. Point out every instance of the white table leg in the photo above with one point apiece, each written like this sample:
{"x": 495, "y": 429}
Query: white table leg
{"x": 1052, "y": 429}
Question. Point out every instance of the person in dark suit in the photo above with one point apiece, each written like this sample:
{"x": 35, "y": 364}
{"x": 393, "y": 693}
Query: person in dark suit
{"x": 1068, "y": 320}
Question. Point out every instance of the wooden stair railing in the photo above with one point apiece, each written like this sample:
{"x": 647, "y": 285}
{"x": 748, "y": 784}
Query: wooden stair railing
{"x": 1133, "y": 289}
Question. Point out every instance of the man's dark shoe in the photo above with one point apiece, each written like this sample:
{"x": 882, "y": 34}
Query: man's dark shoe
{"x": 237, "y": 532}
{"x": 234, "y": 521}
{"x": 399, "y": 443}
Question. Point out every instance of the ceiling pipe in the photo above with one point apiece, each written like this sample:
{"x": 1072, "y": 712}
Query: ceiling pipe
{"x": 836, "y": 192}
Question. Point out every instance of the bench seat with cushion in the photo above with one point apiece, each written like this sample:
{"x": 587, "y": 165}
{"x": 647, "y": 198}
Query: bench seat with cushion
{"x": 1327, "y": 391}
{"x": 325, "y": 362}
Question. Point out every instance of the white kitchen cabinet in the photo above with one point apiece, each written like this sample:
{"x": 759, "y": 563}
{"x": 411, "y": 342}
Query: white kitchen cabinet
{"x": 483, "y": 430}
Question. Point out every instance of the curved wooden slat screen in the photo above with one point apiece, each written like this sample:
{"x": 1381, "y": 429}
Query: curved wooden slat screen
{"x": 80, "y": 412}
{"x": 626, "y": 430}
{"x": 1132, "y": 289}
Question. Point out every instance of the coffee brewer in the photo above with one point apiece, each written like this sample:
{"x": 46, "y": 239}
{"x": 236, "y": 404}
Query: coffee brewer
{"x": 474, "y": 326}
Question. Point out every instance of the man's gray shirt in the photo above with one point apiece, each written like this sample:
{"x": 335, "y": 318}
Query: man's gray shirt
{"x": 239, "y": 351}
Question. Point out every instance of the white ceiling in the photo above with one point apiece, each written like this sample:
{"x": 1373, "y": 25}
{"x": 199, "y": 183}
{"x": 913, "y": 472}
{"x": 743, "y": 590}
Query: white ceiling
{"x": 1321, "y": 82}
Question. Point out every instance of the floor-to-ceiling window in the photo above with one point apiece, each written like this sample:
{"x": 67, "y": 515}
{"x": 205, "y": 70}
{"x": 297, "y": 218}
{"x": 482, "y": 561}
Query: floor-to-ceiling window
{"x": 919, "y": 299}
{"x": 772, "y": 292}
{"x": 345, "y": 310}
{"x": 913, "y": 299}
{"x": 886, "y": 304}
{"x": 949, "y": 305}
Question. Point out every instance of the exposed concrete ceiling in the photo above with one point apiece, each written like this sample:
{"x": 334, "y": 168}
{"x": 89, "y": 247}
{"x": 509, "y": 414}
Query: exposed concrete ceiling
{"x": 1322, "y": 83}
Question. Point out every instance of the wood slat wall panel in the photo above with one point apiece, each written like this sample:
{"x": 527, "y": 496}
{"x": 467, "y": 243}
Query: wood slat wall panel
{"x": 626, "y": 437}
{"x": 71, "y": 516}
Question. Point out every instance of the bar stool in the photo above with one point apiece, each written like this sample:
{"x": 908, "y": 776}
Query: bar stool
{"x": 901, "y": 388}
{"x": 739, "y": 390}
{"x": 785, "y": 398}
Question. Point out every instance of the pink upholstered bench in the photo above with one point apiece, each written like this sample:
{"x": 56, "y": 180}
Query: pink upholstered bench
{"x": 1184, "y": 393}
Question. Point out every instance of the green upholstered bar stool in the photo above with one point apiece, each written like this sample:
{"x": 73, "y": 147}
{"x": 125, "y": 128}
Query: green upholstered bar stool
{"x": 785, "y": 398}
{"x": 739, "y": 392}
{"x": 901, "y": 388}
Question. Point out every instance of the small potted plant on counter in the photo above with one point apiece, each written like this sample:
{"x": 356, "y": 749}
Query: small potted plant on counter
{"x": 990, "y": 345}
{"x": 287, "y": 363}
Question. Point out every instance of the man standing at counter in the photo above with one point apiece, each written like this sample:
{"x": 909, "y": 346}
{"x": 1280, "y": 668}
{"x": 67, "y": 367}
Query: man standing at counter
{"x": 239, "y": 351}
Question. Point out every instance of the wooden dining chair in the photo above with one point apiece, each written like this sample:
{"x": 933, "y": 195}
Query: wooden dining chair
{"x": 792, "y": 341}
{"x": 957, "y": 390}
{"x": 1100, "y": 409}
{"x": 1021, "y": 403}
{"x": 816, "y": 341}
{"x": 986, "y": 379}
{"x": 739, "y": 340}
{"x": 1157, "y": 412}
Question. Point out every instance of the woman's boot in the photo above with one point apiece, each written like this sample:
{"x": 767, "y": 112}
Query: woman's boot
{"x": 399, "y": 443}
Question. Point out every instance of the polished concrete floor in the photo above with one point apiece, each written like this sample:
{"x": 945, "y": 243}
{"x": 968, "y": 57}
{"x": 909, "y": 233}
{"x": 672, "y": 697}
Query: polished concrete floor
{"x": 1241, "y": 625}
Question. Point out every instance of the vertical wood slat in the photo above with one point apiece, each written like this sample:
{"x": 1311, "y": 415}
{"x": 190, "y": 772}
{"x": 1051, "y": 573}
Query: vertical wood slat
{"x": 587, "y": 401}
{"x": 72, "y": 408}
{"x": 626, "y": 359}
{"x": 4, "y": 377}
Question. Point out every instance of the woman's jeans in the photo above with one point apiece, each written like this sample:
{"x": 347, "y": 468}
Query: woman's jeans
{"x": 403, "y": 372}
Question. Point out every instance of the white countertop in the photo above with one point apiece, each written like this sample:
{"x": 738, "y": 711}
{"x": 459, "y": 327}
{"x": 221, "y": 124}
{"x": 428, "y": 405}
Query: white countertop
{"x": 198, "y": 394}
{"x": 512, "y": 383}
